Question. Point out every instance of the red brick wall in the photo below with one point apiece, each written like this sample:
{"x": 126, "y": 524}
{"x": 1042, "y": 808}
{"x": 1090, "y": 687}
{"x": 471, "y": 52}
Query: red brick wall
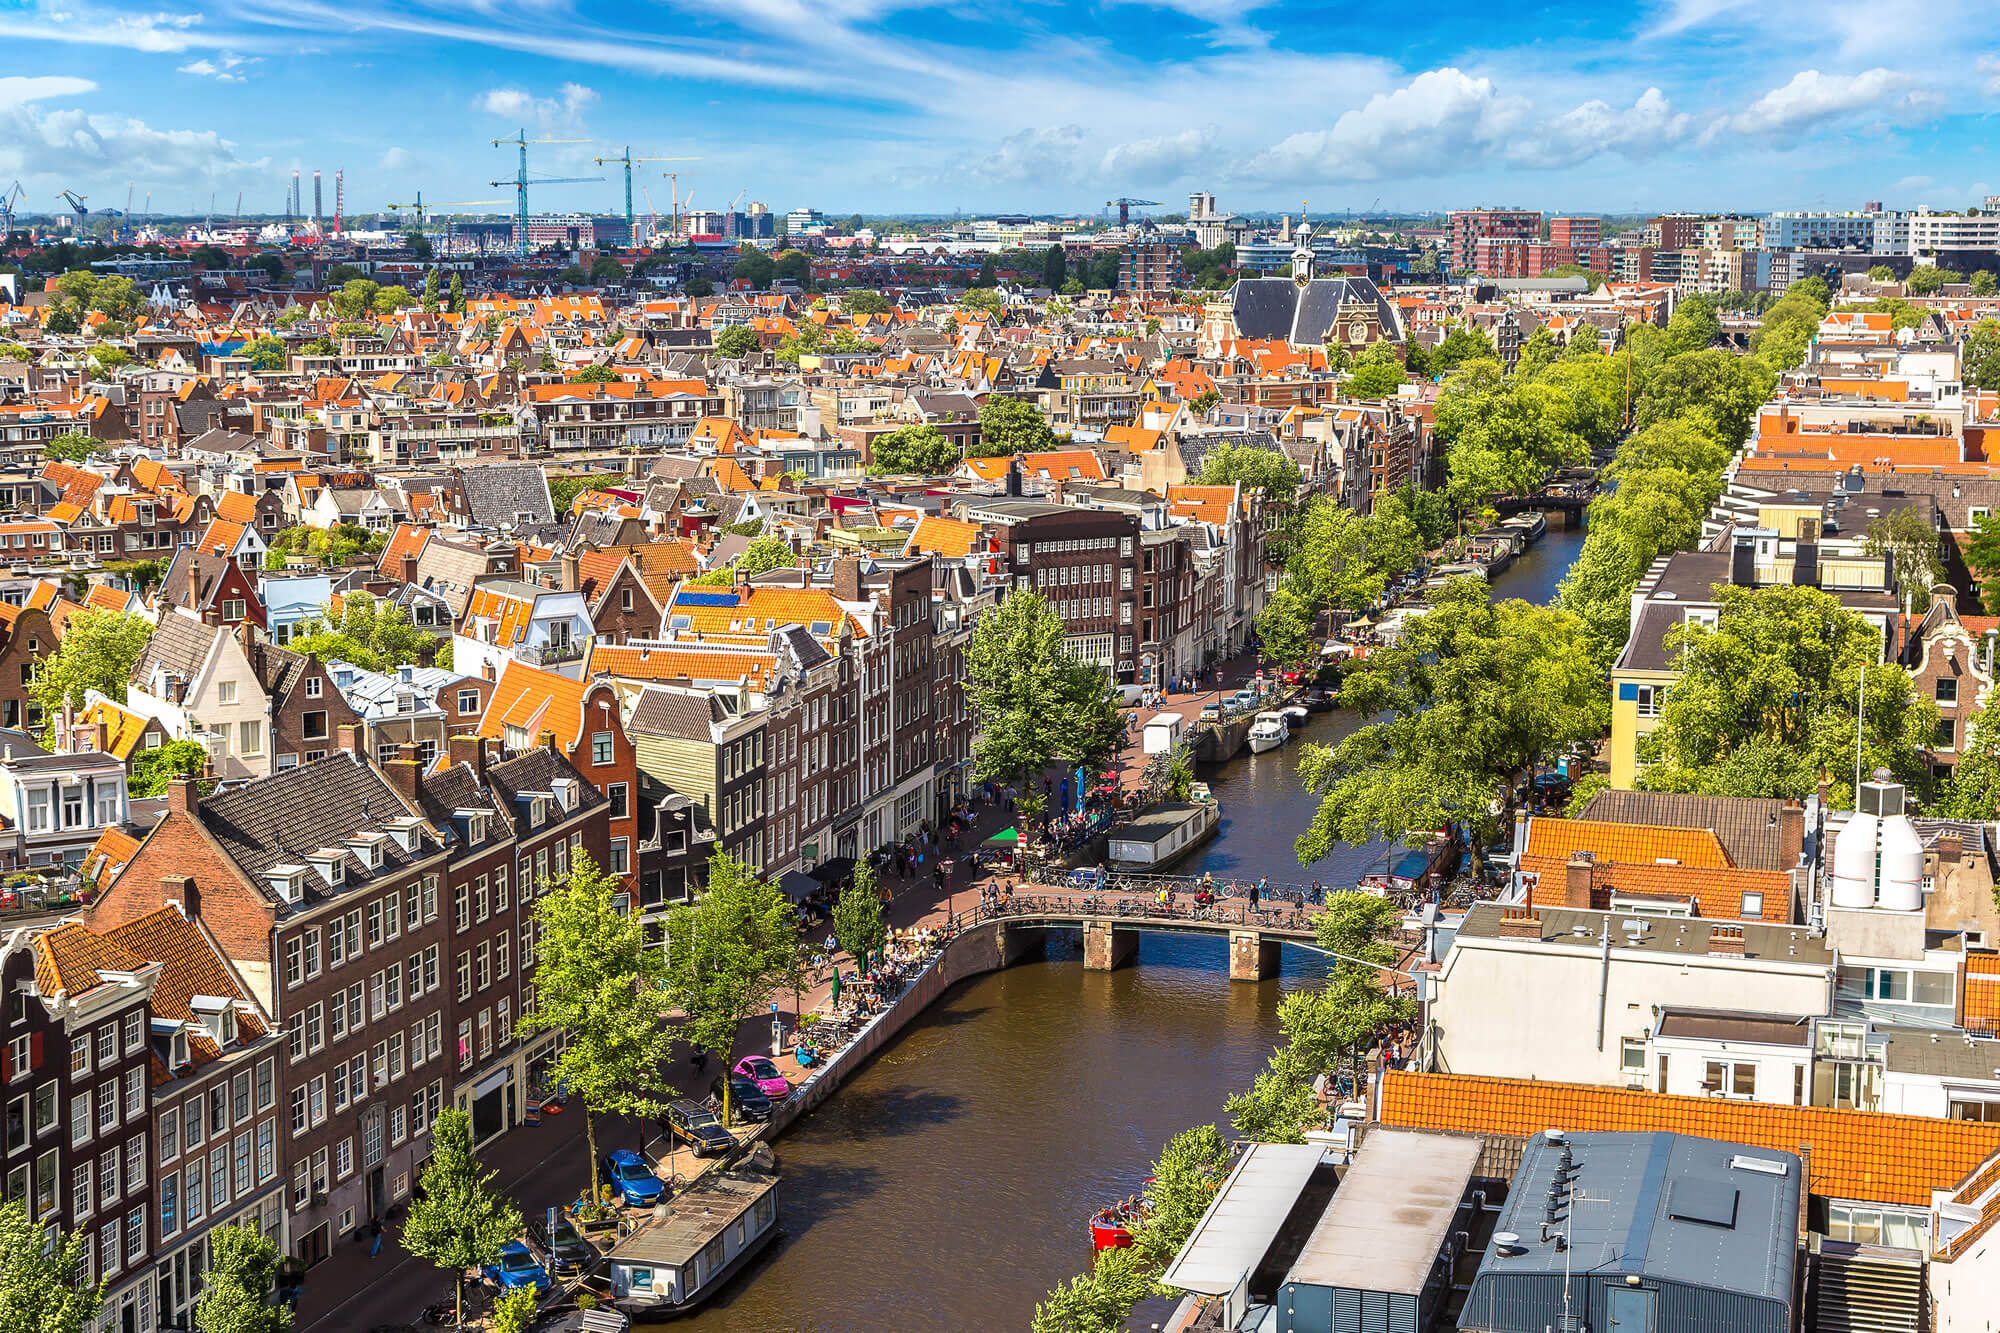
{"x": 237, "y": 916}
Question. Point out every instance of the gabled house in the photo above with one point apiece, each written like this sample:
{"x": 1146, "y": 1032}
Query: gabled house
{"x": 507, "y": 620}
{"x": 197, "y": 681}
{"x": 583, "y": 722}
{"x": 211, "y": 586}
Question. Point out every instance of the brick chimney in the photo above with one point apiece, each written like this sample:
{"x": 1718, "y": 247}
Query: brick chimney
{"x": 1577, "y": 878}
{"x": 409, "y": 568}
{"x": 1726, "y": 941}
{"x": 212, "y": 617}
{"x": 349, "y": 737}
{"x": 469, "y": 750}
{"x": 406, "y": 775}
{"x": 1950, "y": 850}
{"x": 847, "y": 579}
{"x": 1791, "y": 833}
{"x": 1520, "y": 923}
{"x": 181, "y": 889}
{"x": 182, "y": 798}
{"x": 572, "y": 571}
{"x": 547, "y": 739}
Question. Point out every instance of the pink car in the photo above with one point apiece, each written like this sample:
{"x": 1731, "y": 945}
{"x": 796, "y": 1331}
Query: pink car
{"x": 765, "y": 1075}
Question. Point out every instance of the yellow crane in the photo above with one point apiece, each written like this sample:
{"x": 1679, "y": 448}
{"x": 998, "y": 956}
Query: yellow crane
{"x": 675, "y": 177}
{"x": 626, "y": 160}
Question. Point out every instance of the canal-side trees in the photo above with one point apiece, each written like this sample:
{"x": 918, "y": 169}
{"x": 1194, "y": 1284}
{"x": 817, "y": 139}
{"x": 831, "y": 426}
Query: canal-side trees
{"x": 598, "y": 983}
{"x": 727, "y": 954}
{"x": 44, "y": 1287}
{"x": 1098, "y": 1301}
{"x": 1329, "y": 1025}
{"x": 1185, "y": 1179}
{"x": 1473, "y": 693}
{"x": 857, "y": 916}
{"x": 1036, "y": 703}
{"x": 1335, "y": 558}
{"x": 236, "y": 1289}
{"x": 458, "y": 1220}
{"x": 1765, "y": 701}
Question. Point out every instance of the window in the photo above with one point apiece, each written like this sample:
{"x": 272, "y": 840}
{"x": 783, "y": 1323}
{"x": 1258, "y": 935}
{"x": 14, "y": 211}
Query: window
{"x": 503, "y": 954}
{"x": 1729, "y": 1080}
{"x": 1649, "y": 698}
{"x": 314, "y": 688}
{"x": 170, "y": 1199}
{"x": 617, "y": 792}
{"x": 107, "y": 1106}
{"x": 135, "y": 1093}
{"x": 79, "y": 1120}
{"x": 267, "y": 1077}
{"x": 267, "y": 1152}
{"x": 107, "y": 1045}
{"x": 250, "y": 737}
{"x": 600, "y": 748}
{"x": 312, "y": 951}
{"x": 79, "y": 1055}
{"x": 1753, "y": 907}
{"x": 500, "y": 888}
{"x": 465, "y": 975}
{"x": 1947, "y": 691}
{"x": 298, "y": 1111}
{"x": 619, "y": 856}
{"x": 82, "y": 1188}
{"x": 1947, "y": 734}
{"x": 232, "y": 608}
{"x": 314, "y": 724}
{"x": 485, "y": 966}
{"x": 468, "y": 702}
{"x": 1632, "y": 1057}
{"x": 294, "y": 964}
{"x": 225, "y": 692}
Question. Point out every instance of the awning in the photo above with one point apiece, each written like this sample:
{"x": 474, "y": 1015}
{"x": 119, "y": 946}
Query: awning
{"x": 1006, "y": 837}
{"x": 833, "y": 869}
{"x": 797, "y": 886}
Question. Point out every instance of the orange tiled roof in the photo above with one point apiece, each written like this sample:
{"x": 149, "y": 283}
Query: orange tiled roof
{"x": 760, "y": 609}
{"x": 511, "y": 612}
{"x": 68, "y": 959}
{"x": 1718, "y": 893}
{"x": 1641, "y": 844}
{"x": 1867, "y": 1156}
{"x": 942, "y": 536}
{"x": 677, "y": 663}
{"x": 122, "y": 726}
{"x": 535, "y": 701}
{"x": 1982, "y": 991}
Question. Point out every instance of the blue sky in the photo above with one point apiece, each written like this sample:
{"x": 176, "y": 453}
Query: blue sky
{"x": 1043, "y": 105}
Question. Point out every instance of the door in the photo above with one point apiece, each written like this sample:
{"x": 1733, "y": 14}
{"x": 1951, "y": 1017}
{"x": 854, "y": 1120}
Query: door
{"x": 378, "y": 1198}
{"x": 1630, "y": 1308}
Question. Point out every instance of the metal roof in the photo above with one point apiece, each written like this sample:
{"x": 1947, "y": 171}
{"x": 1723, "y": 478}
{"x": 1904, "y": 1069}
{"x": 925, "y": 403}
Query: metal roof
{"x": 1243, "y": 1218}
{"x": 1391, "y": 1214}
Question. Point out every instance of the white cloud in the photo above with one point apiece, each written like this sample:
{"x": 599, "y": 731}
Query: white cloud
{"x": 160, "y": 32}
{"x": 1649, "y": 126}
{"x": 73, "y": 144}
{"x": 1442, "y": 119}
{"x": 1783, "y": 115}
{"x": 223, "y": 69}
{"x": 1166, "y": 158}
{"x": 564, "y": 110}
{"x": 395, "y": 159}
{"x": 14, "y": 90}
{"x": 1033, "y": 156}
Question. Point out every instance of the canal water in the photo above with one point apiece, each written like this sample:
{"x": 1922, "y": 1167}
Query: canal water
{"x": 948, "y": 1185}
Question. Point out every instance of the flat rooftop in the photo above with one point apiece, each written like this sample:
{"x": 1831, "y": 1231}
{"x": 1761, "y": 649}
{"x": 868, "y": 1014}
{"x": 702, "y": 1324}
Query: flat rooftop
{"x": 1389, "y": 1218}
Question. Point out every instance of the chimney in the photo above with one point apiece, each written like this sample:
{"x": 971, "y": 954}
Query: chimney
{"x": 1743, "y": 564}
{"x": 548, "y": 741}
{"x": 1948, "y": 595}
{"x": 1950, "y": 850}
{"x": 572, "y": 571}
{"x": 406, "y": 775}
{"x": 1791, "y": 833}
{"x": 1726, "y": 941}
{"x": 847, "y": 579}
{"x": 349, "y": 736}
{"x": 409, "y": 569}
{"x": 103, "y": 741}
{"x": 182, "y": 799}
{"x": 469, "y": 750}
{"x": 181, "y": 889}
{"x": 1577, "y": 877}
{"x": 1520, "y": 923}
{"x": 212, "y": 616}
{"x": 1014, "y": 479}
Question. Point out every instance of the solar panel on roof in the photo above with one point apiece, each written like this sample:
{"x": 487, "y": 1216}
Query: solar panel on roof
{"x": 706, "y": 599}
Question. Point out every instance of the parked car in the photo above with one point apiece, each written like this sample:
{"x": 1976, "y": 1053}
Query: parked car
{"x": 561, "y": 1251}
{"x": 515, "y": 1266}
{"x": 698, "y": 1127}
{"x": 1292, "y": 675}
{"x": 632, "y": 1178}
{"x": 746, "y": 1099}
{"x": 1211, "y": 712}
{"x": 759, "y": 1070}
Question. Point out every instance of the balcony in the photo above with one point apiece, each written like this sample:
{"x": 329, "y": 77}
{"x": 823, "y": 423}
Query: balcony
{"x": 552, "y": 654}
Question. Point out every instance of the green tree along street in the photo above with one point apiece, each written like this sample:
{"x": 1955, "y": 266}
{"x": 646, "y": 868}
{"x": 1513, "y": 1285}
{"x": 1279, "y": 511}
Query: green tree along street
{"x": 1473, "y": 693}
{"x": 1766, "y": 699}
{"x": 236, "y": 1289}
{"x": 459, "y": 1220}
{"x": 1098, "y": 1301}
{"x": 598, "y": 984}
{"x": 1911, "y": 543}
{"x": 73, "y": 447}
{"x": 153, "y": 769}
{"x": 858, "y": 927}
{"x": 736, "y": 341}
{"x": 1185, "y": 1180}
{"x": 1035, "y": 703}
{"x": 728, "y": 954}
{"x": 374, "y": 636}
{"x": 1326, "y": 1026}
{"x": 1011, "y": 426}
{"x": 44, "y": 1287}
{"x": 97, "y": 652}
{"x": 1254, "y": 469}
{"x": 920, "y": 449}
{"x": 1376, "y": 373}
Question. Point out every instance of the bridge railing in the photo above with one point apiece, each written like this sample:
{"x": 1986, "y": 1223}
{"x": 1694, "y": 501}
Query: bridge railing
{"x": 1116, "y": 907}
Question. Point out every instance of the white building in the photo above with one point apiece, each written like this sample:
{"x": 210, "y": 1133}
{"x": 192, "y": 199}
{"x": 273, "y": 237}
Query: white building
{"x": 1934, "y": 233}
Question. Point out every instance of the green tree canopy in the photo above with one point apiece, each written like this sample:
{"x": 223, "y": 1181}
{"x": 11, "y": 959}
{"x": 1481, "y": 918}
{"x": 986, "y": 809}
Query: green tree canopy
{"x": 981, "y": 298}
{"x": 736, "y": 341}
{"x": 265, "y": 353}
{"x": 1930, "y": 279}
{"x": 921, "y": 449}
{"x": 862, "y": 301}
{"x": 153, "y": 769}
{"x": 236, "y": 1289}
{"x": 1981, "y": 356}
{"x": 598, "y": 983}
{"x": 606, "y": 271}
{"x": 1694, "y": 325}
{"x": 1912, "y": 545}
{"x": 1984, "y": 283}
{"x": 1099, "y": 1301}
{"x": 754, "y": 267}
{"x": 73, "y": 446}
{"x": 1185, "y": 1179}
{"x": 1376, "y": 372}
{"x": 375, "y": 636}
{"x": 564, "y": 490}
{"x": 1254, "y": 469}
{"x": 459, "y": 1221}
{"x": 97, "y": 651}
{"x": 356, "y": 298}
{"x": 595, "y": 375}
{"x": 44, "y": 1287}
{"x": 1011, "y": 426}
{"x": 763, "y": 555}
{"x": 858, "y": 927}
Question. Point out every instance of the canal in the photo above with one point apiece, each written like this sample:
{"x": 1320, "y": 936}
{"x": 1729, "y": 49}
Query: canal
{"x": 948, "y": 1185}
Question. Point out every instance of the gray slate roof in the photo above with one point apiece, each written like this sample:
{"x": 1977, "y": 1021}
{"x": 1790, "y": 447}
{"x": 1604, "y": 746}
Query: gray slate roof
{"x": 496, "y": 493}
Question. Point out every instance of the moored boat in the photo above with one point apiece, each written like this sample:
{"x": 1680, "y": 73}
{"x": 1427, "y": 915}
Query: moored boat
{"x": 1268, "y": 732}
{"x": 1295, "y": 715}
{"x": 1111, "y": 1226}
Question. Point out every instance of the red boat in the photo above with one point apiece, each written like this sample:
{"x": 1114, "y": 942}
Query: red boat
{"x": 1111, "y": 1228}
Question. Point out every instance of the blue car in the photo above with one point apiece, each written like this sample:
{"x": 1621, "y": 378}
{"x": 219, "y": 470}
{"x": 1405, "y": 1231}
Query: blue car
{"x": 516, "y": 1266}
{"x": 632, "y": 1178}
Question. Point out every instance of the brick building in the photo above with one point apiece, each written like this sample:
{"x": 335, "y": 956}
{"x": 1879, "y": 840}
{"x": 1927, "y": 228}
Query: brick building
{"x": 1470, "y": 227}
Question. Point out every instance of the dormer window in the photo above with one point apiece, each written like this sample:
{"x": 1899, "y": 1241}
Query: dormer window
{"x": 287, "y": 881}
{"x": 367, "y": 849}
{"x": 406, "y": 830}
{"x": 471, "y": 826}
{"x": 178, "y": 1057}
{"x": 331, "y": 863}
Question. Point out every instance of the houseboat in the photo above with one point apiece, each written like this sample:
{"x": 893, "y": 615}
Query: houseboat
{"x": 1407, "y": 870}
{"x": 1268, "y": 732}
{"x": 690, "y": 1248}
{"x": 1530, "y": 524}
{"x": 1159, "y": 837}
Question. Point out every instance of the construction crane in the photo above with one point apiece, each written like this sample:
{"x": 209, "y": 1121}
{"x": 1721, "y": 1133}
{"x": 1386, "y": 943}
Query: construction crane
{"x": 75, "y": 201}
{"x": 1125, "y": 207}
{"x": 422, "y": 208}
{"x": 675, "y": 177}
{"x": 9, "y": 197}
{"x": 521, "y": 181}
{"x": 239, "y": 206}
{"x": 653, "y": 216}
{"x": 626, "y": 161}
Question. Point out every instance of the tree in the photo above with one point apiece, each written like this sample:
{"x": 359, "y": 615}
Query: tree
{"x": 595, "y": 375}
{"x": 340, "y": 274}
{"x": 573, "y": 275}
{"x": 44, "y": 1287}
{"x": 1254, "y": 469}
{"x": 61, "y": 319}
{"x": 390, "y": 299}
{"x": 564, "y": 490}
{"x": 736, "y": 341}
{"x": 921, "y": 449}
{"x": 1376, "y": 372}
{"x": 763, "y": 555}
{"x": 372, "y": 635}
{"x": 73, "y": 446}
{"x": 1881, "y": 273}
{"x": 982, "y": 298}
{"x": 1984, "y": 283}
{"x": 862, "y": 301}
{"x": 1035, "y": 703}
{"x": 1972, "y": 792}
{"x": 1911, "y": 543}
{"x": 1204, "y": 402}
{"x": 1929, "y": 280}
{"x": 1099, "y": 1301}
{"x": 1011, "y": 426}
{"x": 1336, "y": 557}
{"x": 457, "y": 294}
{"x": 793, "y": 266}
{"x": 1539, "y": 351}
{"x": 598, "y": 983}
{"x": 988, "y": 276}
{"x": 1460, "y": 346}
{"x": 356, "y": 298}
{"x": 1055, "y": 268}
{"x": 1764, "y": 700}
{"x": 266, "y": 353}
{"x": 431, "y": 303}
{"x": 727, "y": 954}
{"x": 1729, "y": 387}
{"x": 1693, "y": 327}
{"x": 857, "y": 916}
{"x": 459, "y": 1220}
{"x": 1981, "y": 355}
{"x": 1473, "y": 694}
{"x": 235, "y": 1294}
{"x": 698, "y": 287}
{"x": 606, "y": 271}
{"x": 1185, "y": 1179}
{"x": 153, "y": 769}
{"x": 97, "y": 651}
